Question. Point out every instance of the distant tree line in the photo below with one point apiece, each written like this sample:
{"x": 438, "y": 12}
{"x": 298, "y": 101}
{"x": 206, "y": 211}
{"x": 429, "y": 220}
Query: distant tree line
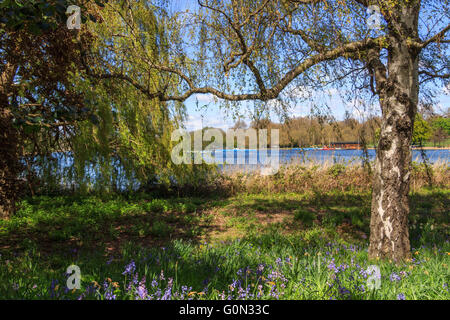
{"x": 309, "y": 131}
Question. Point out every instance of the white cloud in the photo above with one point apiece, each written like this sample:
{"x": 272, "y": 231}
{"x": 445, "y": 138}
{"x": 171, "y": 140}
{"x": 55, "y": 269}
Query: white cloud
{"x": 219, "y": 123}
{"x": 205, "y": 98}
{"x": 301, "y": 110}
{"x": 195, "y": 122}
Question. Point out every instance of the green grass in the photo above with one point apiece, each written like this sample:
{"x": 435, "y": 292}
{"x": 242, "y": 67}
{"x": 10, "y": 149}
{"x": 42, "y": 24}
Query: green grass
{"x": 251, "y": 246}
{"x": 266, "y": 267}
{"x": 93, "y": 221}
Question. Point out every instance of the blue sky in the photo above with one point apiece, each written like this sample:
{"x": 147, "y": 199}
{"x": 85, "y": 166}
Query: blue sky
{"x": 210, "y": 113}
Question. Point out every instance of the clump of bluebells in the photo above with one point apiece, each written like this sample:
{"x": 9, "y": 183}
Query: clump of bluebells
{"x": 242, "y": 270}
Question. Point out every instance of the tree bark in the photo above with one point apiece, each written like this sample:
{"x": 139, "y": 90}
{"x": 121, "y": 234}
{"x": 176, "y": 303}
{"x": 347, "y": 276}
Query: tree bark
{"x": 389, "y": 235}
{"x": 10, "y": 166}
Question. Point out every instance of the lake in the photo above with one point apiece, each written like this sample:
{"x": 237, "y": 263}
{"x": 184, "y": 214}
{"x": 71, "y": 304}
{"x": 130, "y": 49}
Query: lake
{"x": 241, "y": 157}
{"x": 285, "y": 156}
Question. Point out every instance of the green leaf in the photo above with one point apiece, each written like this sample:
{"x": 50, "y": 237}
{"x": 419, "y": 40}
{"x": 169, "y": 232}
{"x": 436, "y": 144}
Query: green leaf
{"x": 18, "y": 4}
{"x": 36, "y": 120}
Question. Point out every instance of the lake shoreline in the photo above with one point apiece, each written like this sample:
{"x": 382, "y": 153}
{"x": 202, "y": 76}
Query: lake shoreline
{"x": 424, "y": 148}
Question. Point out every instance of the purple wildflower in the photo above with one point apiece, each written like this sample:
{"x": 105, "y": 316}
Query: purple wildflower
{"x": 130, "y": 268}
{"x": 141, "y": 292}
{"x": 394, "y": 277}
{"x": 332, "y": 266}
{"x": 109, "y": 291}
{"x": 168, "y": 293}
{"x": 401, "y": 296}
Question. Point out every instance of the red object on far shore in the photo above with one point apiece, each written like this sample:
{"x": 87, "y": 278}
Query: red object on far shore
{"x": 344, "y": 145}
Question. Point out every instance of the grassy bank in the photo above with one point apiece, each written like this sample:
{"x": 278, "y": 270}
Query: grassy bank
{"x": 265, "y": 240}
{"x": 326, "y": 177}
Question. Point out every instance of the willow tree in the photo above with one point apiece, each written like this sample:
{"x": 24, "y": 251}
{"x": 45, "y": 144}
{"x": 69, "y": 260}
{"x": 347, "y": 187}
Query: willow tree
{"x": 133, "y": 131}
{"x": 266, "y": 50}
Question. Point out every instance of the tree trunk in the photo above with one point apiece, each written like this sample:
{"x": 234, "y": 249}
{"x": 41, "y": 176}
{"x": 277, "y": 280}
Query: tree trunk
{"x": 389, "y": 236}
{"x": 10, "y": 166}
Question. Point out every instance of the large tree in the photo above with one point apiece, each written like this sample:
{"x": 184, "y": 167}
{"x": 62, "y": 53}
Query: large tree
{"x": 37, "y": 55}
{"x": 267, "y": 50}
{"x": 134, "y": 131}
{"x": 52, "y": 114}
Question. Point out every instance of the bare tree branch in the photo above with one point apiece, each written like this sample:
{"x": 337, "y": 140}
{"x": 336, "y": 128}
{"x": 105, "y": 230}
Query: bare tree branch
{"x": 263, "y": 94}
{"x": 436, "y": 38}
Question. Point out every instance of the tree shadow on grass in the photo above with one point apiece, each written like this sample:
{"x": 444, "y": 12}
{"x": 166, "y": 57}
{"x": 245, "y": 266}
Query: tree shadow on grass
{"x": 64, "y": 225}
{"x": 349, "y": 214}
{"x": 69, "y": 224}
{"x": 429, "y": 219}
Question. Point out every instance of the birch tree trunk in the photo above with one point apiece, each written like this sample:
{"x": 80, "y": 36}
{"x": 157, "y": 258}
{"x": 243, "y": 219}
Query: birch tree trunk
{"x": 389, "y": 235}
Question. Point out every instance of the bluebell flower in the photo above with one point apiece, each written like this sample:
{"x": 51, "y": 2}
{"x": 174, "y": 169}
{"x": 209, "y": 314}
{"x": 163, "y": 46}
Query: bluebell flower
{"x": 168, "y": 293}
{"x": 185, "y": 290}
{"x": 332, "y": 266}
{"x": 343, "y": 291}
{"x": 141, "y": 292}
{"x": 260, "y": 269}
{"x": 109, "y": 294}
{"x": 401, "y": 296}
{"x": 130, "y": 268}
{"x": 235, "y": 284}
{"x": 394, "y": 277}
{"x": 52, "y": 288}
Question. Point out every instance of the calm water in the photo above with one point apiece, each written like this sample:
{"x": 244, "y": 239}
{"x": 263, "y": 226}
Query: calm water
{"x": 241, "y": 157}
{"x": 239, "y": 161}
